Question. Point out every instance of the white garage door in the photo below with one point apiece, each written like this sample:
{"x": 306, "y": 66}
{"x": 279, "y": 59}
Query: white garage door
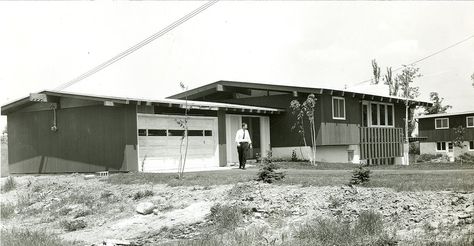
{"x": 159, "y": 140}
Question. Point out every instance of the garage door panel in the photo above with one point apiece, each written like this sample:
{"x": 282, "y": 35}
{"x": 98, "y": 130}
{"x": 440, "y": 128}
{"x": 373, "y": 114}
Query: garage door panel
{"x": 162, "y": 152}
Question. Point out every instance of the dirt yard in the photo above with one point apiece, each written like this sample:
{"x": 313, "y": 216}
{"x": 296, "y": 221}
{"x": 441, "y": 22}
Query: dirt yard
{"x": 90, "y": 211}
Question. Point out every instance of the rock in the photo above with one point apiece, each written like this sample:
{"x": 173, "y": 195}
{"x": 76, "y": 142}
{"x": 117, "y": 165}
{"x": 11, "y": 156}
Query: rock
{"x": 469, "y": 209}
{"x": 464, "y": 216}
{"x": 156, "y": 211}
{"x": 258, "y": 215}
{"x": 115, "y": 242}
{"x": 433, "y": 225}
{"x": 145, "y": 208}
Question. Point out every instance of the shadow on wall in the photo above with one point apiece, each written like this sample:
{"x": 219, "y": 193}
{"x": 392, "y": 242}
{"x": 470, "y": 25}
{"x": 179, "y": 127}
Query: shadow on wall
{"x": 4, "y": 161}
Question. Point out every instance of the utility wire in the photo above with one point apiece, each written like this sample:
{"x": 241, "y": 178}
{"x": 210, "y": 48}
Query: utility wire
{"x": 137, "y": 46}
{"x": 421, "y": 59}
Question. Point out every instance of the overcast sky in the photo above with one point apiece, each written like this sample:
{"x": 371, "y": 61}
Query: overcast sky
{"x": 320, "y": 44}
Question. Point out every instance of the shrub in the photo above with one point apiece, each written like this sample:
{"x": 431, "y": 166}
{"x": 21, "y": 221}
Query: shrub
{"x": 432, "y": 158}
{"x": 73, "y": 225}
{"x": 360, "y": 175}
{"x": 10, "y": 184}
{"x": 25, "y": 237}
{"x": 414, "y": 148}
{"x": 267, "y": 171}
{"x": 294, "y": 157}
{"x": 465, "y": 158}
{"x": 225, "y": 217}
{"x": 7, "y": 210}
{"x": 142, "y": 194}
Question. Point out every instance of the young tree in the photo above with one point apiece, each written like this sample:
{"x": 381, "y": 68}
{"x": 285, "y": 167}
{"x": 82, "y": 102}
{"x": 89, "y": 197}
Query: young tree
{"x": 307, "y": 109}
{"x": 459, "y": 138}
{"x": 401, "y": 85}
{"x": 183, "y": 123}
{"x": 437, "y": 107}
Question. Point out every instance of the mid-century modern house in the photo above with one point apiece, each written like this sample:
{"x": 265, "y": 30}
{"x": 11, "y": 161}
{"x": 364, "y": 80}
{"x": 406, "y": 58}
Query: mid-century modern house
{"x": 53, "y": 131}
{"x": 438, "y": 133}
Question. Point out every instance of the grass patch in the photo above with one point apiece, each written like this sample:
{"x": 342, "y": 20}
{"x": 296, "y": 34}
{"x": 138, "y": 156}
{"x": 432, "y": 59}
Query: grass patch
{"x": 72, "y": 225}
{"x": 25, "y": 237}
{"x": 142, "y": 194}
{"x": 7, "y": 210}
{"x": 10, "y": 184}
{"x": 225, "y": 217}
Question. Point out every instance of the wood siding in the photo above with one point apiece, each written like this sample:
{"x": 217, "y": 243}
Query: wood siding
{"x": 89, "y": 139}
{"x": 426, "y": 128}
{"x": 338, "y": 134}
{"x": 380, "y": 142}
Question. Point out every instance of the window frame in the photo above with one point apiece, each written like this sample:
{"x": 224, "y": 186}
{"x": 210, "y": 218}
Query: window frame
{"x": 447, "y": 125}
{"x": 441, "y": 150}
{"x": 467, "y": 121}
{"x": 332, "y": 105}
{"x": 369, "y": 113}
{"x": 469, "y": 145}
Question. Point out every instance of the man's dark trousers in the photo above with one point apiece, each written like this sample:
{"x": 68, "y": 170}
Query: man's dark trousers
{"x": 243, "y": 150}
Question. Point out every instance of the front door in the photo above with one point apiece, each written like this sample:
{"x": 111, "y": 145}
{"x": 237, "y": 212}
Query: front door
{"x": 253, "y": 124}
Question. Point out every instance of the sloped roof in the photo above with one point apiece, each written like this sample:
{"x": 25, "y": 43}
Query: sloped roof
{"x": 443, "y": 115}
{"x": 23, "y": 102}
{"x": 219, "y": 86}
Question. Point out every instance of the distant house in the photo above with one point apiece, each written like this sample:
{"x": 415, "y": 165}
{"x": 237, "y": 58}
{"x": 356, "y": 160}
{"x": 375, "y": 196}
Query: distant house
{"x": 51, "y": 132}
{"x": 438, "y": 133}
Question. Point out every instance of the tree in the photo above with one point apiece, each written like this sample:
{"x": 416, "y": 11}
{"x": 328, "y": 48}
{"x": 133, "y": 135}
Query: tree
{"x": 183, "y": 123}
{"x": 299, "y": 111}
{"x": 401, "y": 85}
{"x": 437, "y": 107}
{"x": 459, "y": 138}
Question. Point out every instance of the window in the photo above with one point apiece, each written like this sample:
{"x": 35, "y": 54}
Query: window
{"x": 141, "y": 132}
{"x": 338, "y": 108}
{"x": 471, "y": 145}
{"x": 365, "y": 116}
{"x": 195, "y": 133}
{"x": 470, "y": 121}
{"x": 442, "y": 123}
{"x": 450, "y": 146}
{"x": 441, "y": 146}
{"x": 207, "y": 132}
{"x": 156, "y": 132}
{"x": 175, "y": 132}
{"x": 381, "y": 114}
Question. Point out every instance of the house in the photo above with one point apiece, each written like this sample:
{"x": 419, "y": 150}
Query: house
{"x": 439, "y": 134}
{"x": 55, "y": 132}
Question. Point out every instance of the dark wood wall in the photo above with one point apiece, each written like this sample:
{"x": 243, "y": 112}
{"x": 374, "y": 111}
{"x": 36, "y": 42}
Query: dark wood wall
{"x": 89, "y": 139}
{"x": 426, "y": 128}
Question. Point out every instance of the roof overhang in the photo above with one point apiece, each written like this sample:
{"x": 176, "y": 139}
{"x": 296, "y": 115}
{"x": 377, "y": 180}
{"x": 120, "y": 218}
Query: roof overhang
{"x": 245, "y": 87}
{"x": 444, "y": 115}
{"x": 53, "y": 97}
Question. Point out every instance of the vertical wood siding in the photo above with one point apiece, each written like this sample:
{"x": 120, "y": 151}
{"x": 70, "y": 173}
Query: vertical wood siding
{"x": 89, "y": 139}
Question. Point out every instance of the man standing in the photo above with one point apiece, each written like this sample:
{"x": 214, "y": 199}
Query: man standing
{"x": 243, "y": 144}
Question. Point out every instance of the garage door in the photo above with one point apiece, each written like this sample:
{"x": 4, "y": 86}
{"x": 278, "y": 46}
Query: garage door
{"x": 159, "y": 140}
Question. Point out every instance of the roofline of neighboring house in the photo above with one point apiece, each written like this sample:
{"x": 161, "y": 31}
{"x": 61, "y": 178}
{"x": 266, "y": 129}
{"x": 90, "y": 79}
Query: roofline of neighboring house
{"x": 222, "y": 84}
{"x": 443, "y": 115}
{"x": 51, "y": 96}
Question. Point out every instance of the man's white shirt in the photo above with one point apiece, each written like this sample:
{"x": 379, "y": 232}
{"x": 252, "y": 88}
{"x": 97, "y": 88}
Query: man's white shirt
{"x": 240, "y": 137}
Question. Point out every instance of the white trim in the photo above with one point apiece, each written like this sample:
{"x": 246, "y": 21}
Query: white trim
{"x": 369, "y": 113}
{"x": 467, "y": 118}
{"x": 332, "y": 104}
{"x": 443, "y": 150}
{"x": 447, "y": 127}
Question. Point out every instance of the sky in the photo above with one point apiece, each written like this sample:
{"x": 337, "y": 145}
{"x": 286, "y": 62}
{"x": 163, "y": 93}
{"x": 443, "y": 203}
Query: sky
{"x": 301, "y": 43}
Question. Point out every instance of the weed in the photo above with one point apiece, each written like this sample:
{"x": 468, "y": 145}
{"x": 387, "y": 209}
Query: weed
{"x": 334, "y": 202}
{"x": 25, "y": 237}
{"x": 7, "y": 210}
{"x": 369, "y": 223}
{"x": 10, "y": 184}
{"x": 360, "y": 175}
{"x": 72, "y": 225}
{"x": 142, "y": 194}
{"x": 82, "y": 213}
{"x": 25, "y": 200}
{"x": 106, "y": 194}
{"x": 225, "y": 217}
{"x": 64, "y": 211}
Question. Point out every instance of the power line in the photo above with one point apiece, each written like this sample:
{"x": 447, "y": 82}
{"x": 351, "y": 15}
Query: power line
{"x": 419, "y": 60}
{"x": 137, "y": 46}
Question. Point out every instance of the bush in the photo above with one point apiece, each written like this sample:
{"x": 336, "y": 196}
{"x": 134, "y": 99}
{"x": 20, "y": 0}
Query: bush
{"x": 7, "y": 210}
{"x": 360, "y": 175}
{"x": 225, "y": 217}
{"x": 432, "y": 158}
{"x": 267, "y": 171}
{"x": 294, "y": 157}
{"x": 25, "y": 237}
{"x": 142, "y": 194}
{"x": 73, "y": 225}
{"x": 465, "y": 158}
{"x": 10, "y": 184}
{"x": 414, "y": 149}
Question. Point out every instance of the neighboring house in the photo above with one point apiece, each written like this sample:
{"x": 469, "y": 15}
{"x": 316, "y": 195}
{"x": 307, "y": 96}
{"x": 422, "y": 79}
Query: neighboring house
{"x": 51, "y": 132}
{"x": 438, "y": 133}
